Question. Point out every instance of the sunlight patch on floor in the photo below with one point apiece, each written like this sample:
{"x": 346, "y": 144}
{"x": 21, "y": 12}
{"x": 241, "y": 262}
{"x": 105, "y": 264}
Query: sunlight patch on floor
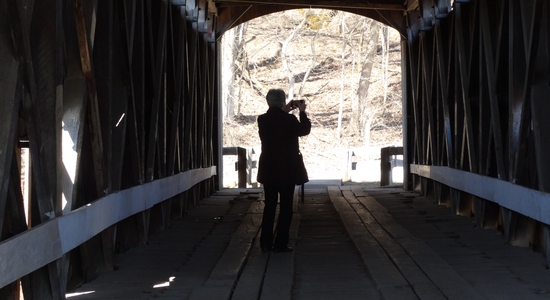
{"x": 71, "y": 295}
{"x": 164, "y": 284}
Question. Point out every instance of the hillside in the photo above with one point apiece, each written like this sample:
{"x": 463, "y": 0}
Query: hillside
{"x": 260, "y": 67}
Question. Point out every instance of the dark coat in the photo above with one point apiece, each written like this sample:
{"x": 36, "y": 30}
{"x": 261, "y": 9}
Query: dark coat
{"x": 279, "y": 132}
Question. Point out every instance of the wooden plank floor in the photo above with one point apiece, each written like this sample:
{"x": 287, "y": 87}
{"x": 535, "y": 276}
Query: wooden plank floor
{"x": 350, "y": 243}
{"x": 327, "y": 264}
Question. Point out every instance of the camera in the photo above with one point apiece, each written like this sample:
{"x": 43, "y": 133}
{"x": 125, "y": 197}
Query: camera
{"x": 296, "y": 103}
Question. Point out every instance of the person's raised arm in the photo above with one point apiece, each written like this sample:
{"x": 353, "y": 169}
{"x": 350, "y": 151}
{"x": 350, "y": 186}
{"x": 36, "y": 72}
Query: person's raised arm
{"x": 305, "y": 123}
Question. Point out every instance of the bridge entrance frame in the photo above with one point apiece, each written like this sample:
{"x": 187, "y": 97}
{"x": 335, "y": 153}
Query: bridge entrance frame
{"x": 118, "y": 105}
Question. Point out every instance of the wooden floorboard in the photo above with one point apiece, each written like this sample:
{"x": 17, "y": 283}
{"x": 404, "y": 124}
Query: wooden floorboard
{"x": 349, "y": 243}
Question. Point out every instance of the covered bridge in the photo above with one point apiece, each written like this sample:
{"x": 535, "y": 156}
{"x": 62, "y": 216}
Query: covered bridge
{"x": 111, "y": 112}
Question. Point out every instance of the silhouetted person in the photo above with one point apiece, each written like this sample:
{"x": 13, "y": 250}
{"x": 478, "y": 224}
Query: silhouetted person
{"x": 278, "y": 165}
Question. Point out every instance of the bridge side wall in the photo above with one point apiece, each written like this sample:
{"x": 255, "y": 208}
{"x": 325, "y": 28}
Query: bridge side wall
{"x": 476, "y": 99}
{"x": 112, "y": 100}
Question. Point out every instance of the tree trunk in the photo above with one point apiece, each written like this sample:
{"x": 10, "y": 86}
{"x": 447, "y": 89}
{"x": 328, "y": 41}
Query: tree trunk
{"x": 385, "y": 59}
{"x": 360, "y": 117}
{"x": 242, "y": 57}
{"x": 228, "y": 73}
{"x": 341, "y": 108}
{"x": 311, "y": 64}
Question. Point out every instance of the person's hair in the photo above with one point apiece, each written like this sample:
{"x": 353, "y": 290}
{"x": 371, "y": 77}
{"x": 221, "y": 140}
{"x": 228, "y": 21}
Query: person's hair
{"x": 275, "y": 98}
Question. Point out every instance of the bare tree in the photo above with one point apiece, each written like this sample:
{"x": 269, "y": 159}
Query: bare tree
{"x": 352, "y": 44}
{"x": 228, "y": 73}
{"x": 284, "y": 53}
{"x": 316, "y": 20}
{"x": 385, "y": 58}
{"x": 363, "y": 117}
{"x": 241, "y": 58}
{"x": 341, "y": 107}
{"x": 347, "y": 37}
{"x": 310, "y": 65}
{"x": 234, "y": 61}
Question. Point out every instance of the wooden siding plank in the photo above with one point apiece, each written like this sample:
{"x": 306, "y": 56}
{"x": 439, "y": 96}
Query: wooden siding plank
{"x": 428, "y": 99}
{"x": 74, "y": 111}
{"x": 178, "y": 54}
{"x": 464, "y": 72}
{"x": 103, "y": 57}
{"x": 159, "y": 57}
{"x": 20, "y": 26}
{"x": 46, "y": 104}
{"x": 9, "y": 101}
{"x": 517, "y": 66}
{"x": 540, "y": 108}
{"x": 201, "y": 102}
{"x": 211, "y": 110}
{"x": 92, "y": 109}
{"x": 530, "y": 17}
{"x": 415, "y": 94}
{"x": 408, "y": 137}
{"x": 142, "y": 60}
{"x": 134, "y": 74}
{"x": 491, "y": 68}
{"x": 189, "y": 101}
{"x": 118, "y": 104}
{"x": 44, "y": 153}
{"x": 443, "y": 71}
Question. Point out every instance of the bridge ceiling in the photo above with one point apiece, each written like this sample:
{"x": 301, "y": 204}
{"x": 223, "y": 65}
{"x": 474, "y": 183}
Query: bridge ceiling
{"x": 406, "y": 16}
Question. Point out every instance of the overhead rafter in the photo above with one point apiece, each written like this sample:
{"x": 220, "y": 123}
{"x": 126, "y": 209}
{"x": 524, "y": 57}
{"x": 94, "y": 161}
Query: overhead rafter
{"x": 379, "y": 5}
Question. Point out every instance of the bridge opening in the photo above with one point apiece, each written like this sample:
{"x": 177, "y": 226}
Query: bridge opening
{"x": 348, "y": 69}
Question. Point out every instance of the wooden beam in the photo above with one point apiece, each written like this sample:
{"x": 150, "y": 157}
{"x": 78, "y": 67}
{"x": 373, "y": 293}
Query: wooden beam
{"x": 75, "y": 101}
{"x": 464, "y": 72}
{"x": 43, "y": 244}
{"x": 528, "y": 202}
{"x": 428, "y": 96}
{"x": 414, "y": 76}
{"x": 379, "y": 5}
{"x": 190, "y": 98}
{"x": 179, "y": 54}
{"x": 134, "y": 43}
{"x": 118, "y": 103}
{"x": 491, "y": 69}
{"x": 158, "y": 88}
{"x": 9, "y": 101}
{"x": 84, "y": 44}
{"x": 443, "y": 71}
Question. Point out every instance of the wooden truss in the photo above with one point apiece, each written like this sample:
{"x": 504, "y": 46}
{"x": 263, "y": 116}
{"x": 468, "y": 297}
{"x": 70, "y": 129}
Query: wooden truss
{"x": 115, "y": 102}
{"x": 476, "y": 97}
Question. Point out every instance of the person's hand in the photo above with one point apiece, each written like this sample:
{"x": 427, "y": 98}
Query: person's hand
{"x": 302, "y": 106}
{"x": 287, "y": 107}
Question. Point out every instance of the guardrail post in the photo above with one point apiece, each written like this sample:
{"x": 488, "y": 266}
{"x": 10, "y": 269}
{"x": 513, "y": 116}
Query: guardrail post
{"x": 385, "y": 163}
{"x": 241, "y": 162}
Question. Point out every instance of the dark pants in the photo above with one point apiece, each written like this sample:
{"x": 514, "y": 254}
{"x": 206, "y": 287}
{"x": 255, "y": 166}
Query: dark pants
{"x": 272, "y": 193}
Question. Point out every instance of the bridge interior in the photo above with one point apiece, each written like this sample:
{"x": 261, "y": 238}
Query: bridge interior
{"x": 349, "y": 241}
{"x": 111, "y": 114}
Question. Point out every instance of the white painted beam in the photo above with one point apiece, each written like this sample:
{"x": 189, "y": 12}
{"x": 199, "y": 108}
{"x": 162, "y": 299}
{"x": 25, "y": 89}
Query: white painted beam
{"x": 47, "y": 242}
{"x": 528, "y": 202}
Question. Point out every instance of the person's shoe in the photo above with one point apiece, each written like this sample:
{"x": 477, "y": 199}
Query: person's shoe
{"x": 266, "y": 249}
{"x": 283, "y": 249}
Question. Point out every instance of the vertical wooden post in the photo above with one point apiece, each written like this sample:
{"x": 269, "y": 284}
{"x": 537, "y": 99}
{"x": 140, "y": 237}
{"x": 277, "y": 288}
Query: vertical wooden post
{"x": 242, "y": 162}
{"x": 385, "y": 166}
